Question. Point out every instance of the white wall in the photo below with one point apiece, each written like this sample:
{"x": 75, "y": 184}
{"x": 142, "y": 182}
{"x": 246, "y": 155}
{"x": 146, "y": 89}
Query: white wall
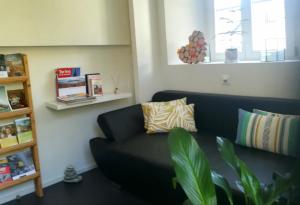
{"x": 280, "y": 80}
{"x": 146, "y": 48}
{"x": 64, "y": 22}
{"x": 63, "y": 136}
{"x": 182, "y": 17}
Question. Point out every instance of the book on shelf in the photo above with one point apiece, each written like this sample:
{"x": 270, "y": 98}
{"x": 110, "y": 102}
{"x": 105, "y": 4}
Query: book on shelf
{"x": 5, "y": 174}
{"x": 4, "y": 103}
{"x": 24, "y": 131}
{"x": 21, "y": 164}
{"x": 87, "y": 78}
{"x": 69, "y": 82}
{"x": 8, "y": 135}
{"x": 71, "y": 86}
{"x": 15, "y": 65}
{"x": 94, "y": 84}
{"x": 96, "y": 87}
{"x": 17, "y": 99}
{"x": 3, "y": 67}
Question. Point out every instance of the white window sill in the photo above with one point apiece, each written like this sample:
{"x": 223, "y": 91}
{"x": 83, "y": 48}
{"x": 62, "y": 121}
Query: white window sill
{"x": 239, "y": 62}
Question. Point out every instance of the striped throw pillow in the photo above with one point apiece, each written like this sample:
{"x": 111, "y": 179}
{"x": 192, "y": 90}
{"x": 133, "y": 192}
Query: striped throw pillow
{"x": 262, "y": 112}
{"x": 268, "y": 132}
{"x": 147, "y": 106}
{"x": 163, "y": 118}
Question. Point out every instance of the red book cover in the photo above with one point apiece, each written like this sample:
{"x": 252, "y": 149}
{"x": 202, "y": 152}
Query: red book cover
{"x": 5, "y": 174}
{"x": 67, "y": 72}
{"x": 64, "y": 73}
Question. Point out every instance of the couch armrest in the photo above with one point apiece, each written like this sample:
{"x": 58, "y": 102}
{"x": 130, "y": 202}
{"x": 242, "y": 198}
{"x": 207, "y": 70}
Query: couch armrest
{"x": 121, "y": 124}
{"x": 99, "y": 148}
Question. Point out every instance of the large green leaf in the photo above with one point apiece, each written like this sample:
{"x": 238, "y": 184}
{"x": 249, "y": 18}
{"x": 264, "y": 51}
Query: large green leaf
{"x": 192, "y": 168}
{"x": 220, "y": 181}
{"x": 187, "y": 202}
{"x": 227, "y": 152}
{"x": 281, "y": 185}
{"x": 251, "y": 185}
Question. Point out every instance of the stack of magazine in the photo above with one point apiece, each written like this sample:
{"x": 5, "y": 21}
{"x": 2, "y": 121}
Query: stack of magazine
{"x": 71, "y": 86}
{"x": 11, "y": 65}
{"x": 16, "y": 166}
{"x": 12, "y": 99}
{"x": 75, "y": 99}
{"x": 17, "y": 132}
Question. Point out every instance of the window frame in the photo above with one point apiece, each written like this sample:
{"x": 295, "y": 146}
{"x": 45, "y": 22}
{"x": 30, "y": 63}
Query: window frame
{"x": 247, "y": 53}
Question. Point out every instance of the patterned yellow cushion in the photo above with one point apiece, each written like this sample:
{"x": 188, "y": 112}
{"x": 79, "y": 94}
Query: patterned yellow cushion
{"x": 146, "y": 107}
{"x": 162, "y": 118}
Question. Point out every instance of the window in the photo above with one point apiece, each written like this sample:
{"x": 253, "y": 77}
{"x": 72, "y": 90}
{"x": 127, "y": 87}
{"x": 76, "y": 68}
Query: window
{"x": 251, "y": 26}
{"x": 268, "y": 25}
{"x": 228, "y": 27}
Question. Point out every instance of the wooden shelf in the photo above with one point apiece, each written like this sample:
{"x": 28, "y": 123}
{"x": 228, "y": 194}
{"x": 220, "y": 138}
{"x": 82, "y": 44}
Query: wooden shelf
{"x": 105, "y": 98}
{"x": 19, "y": 181}
{"x": 25, "y": 80}
{"x": 16, "y": 147}
{"x": 13, "y": 79}
{"x": 15, "y": 113}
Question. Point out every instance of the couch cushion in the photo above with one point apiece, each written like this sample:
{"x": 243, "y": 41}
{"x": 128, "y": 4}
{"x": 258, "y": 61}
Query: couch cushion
{"x": 147, "y": 154}
{"x": 271, "y": 133}
{"x": 163, "y": 118}
{"x": 147, "y": 107}
{"x": 118, "y": 125}
{"x": 152, "y": 148}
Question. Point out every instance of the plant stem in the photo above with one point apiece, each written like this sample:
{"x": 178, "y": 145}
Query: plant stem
{"x": 246, "y": 200}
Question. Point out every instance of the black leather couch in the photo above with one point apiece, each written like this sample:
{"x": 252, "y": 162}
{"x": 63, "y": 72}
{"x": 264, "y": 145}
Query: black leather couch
{"x": 141, "y": 163}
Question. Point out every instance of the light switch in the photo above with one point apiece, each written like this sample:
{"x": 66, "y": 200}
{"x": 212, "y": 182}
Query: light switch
{"x": 225, "y": 79}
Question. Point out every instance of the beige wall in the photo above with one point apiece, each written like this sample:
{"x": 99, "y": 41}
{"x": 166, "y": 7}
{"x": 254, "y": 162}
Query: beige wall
{"x": 64, "y": 22}
{"x": 58, "y": 28}
{"x": 63, "y": 136}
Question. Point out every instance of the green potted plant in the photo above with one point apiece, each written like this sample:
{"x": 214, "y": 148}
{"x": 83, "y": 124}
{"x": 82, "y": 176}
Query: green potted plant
{"x": 194, "y": 175}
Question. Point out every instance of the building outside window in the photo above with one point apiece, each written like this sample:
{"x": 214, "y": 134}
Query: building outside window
{"x": 252, "y": 26}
